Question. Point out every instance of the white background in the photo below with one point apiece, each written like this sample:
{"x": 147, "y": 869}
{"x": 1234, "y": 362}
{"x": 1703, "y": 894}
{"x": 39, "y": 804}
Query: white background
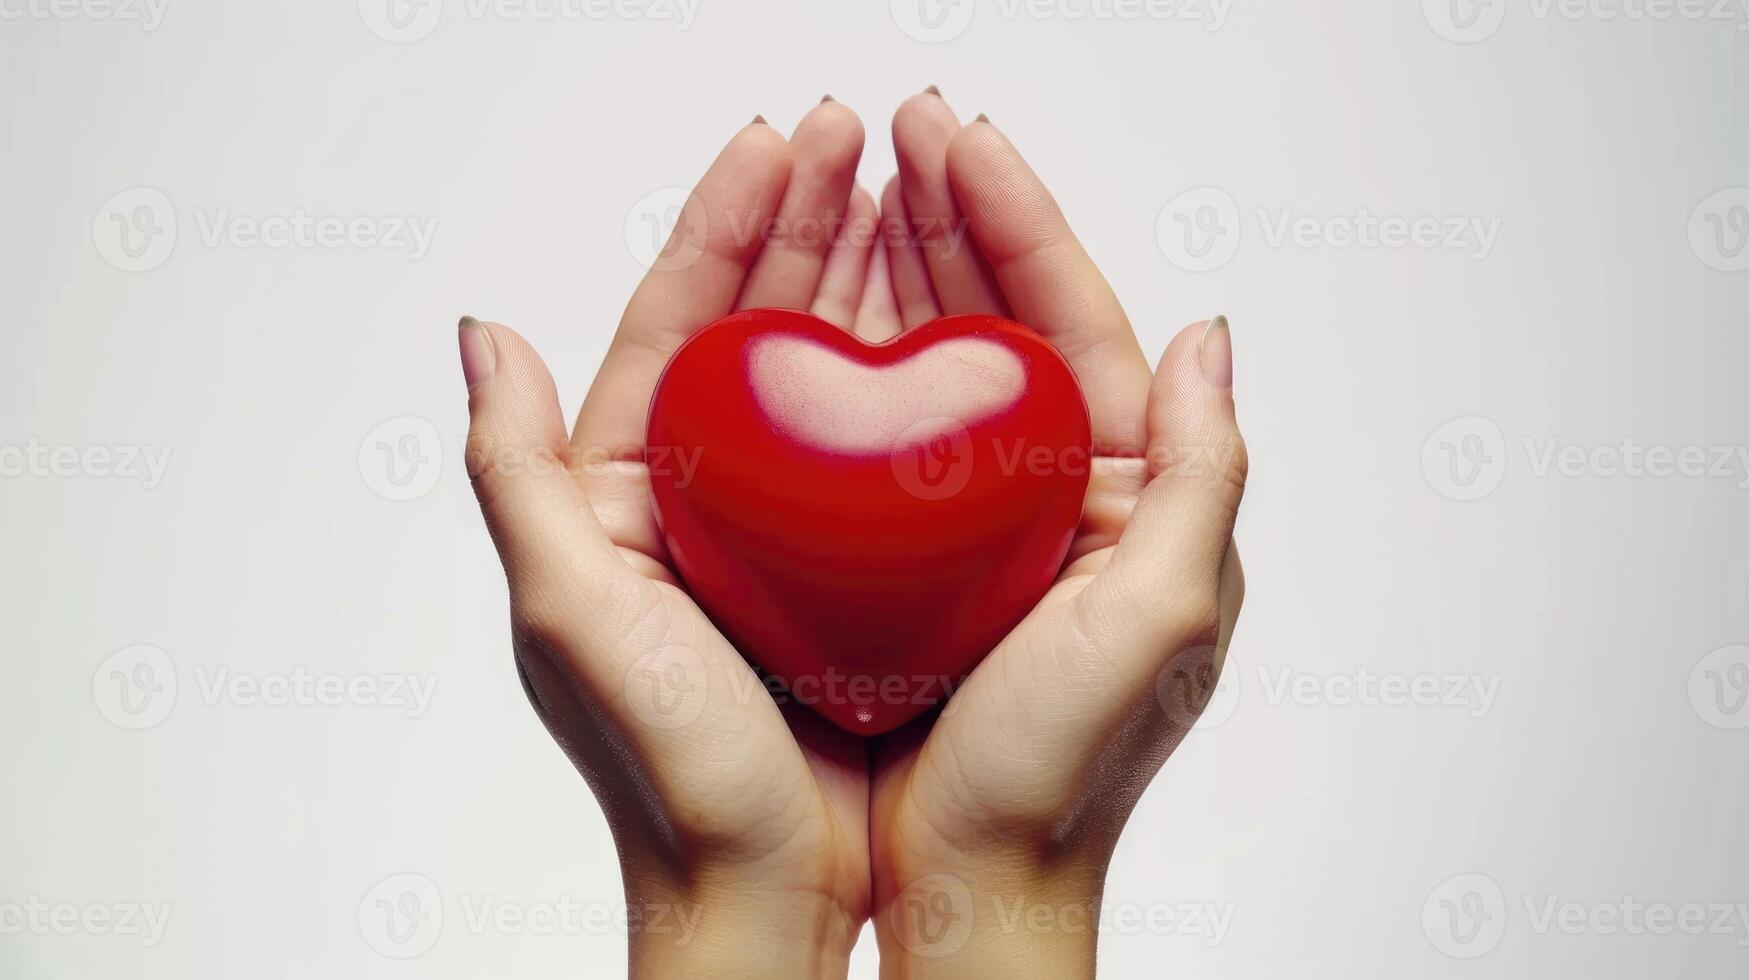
{"x": 1609, "y": 765}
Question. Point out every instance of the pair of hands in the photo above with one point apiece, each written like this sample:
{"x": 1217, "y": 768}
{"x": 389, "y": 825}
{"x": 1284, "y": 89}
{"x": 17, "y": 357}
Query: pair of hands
{"x": 769, "y": 834}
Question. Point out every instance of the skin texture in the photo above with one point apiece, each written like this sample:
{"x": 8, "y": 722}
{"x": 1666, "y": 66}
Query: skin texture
{"x": 777, "y": 834}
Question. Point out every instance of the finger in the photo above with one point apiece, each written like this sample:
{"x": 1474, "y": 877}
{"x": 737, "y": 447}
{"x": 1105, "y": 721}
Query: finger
{"x": 922, "y": 129}
{"x": 877, "y": 320}
{"x": 911, "y": 287}
{"x": 517, "y": 459}
{"x": 824, "y": 152}
{"x": 1167, "y": 568}
{"x": 1050, "y": 281}
{"x": 694, "y": 283}
{"x": 843, "y": 279}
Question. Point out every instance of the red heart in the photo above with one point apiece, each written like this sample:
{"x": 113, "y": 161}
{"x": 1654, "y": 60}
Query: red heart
{"x": 867, "y": 521}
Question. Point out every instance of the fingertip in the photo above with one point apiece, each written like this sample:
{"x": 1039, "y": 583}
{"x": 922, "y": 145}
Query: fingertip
{"x": 921, "y": 122}
{"x": 833, "y": 122}
{"x": 980, "y": 148}
{"x": 477, "y": 357}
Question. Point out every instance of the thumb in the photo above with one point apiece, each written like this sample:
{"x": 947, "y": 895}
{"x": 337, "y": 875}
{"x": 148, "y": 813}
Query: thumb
{"x": 518, "y": 457}
{"x": 1168, "y": 564}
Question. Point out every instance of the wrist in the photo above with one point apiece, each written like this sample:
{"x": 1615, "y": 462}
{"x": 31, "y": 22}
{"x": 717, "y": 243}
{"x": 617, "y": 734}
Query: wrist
{"x": 1009, "y": 919}
{"x": 718, "y": 927}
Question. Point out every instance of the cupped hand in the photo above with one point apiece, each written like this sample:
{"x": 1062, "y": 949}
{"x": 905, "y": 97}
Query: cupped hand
{"x": 1012, "y": 799}
{"x": 742, "y": 827}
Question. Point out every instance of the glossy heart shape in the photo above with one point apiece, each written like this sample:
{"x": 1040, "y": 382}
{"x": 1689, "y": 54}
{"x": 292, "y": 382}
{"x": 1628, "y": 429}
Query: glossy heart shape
{"x": 867, "y": 521}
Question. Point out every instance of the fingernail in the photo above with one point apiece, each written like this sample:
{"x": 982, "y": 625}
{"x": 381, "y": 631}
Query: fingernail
{"x": 759, "y": 121}
{"x": 827, "y": 98}
{"x": 982, "y": 118}
{"x": 1217, "y": 353}
{"x": 478, "y": 360}
{"x": 934, "y": 90}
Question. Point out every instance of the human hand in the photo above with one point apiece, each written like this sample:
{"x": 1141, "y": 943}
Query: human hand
{"x": 744, "y": 820}
{"x": 1014, "y": 797}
